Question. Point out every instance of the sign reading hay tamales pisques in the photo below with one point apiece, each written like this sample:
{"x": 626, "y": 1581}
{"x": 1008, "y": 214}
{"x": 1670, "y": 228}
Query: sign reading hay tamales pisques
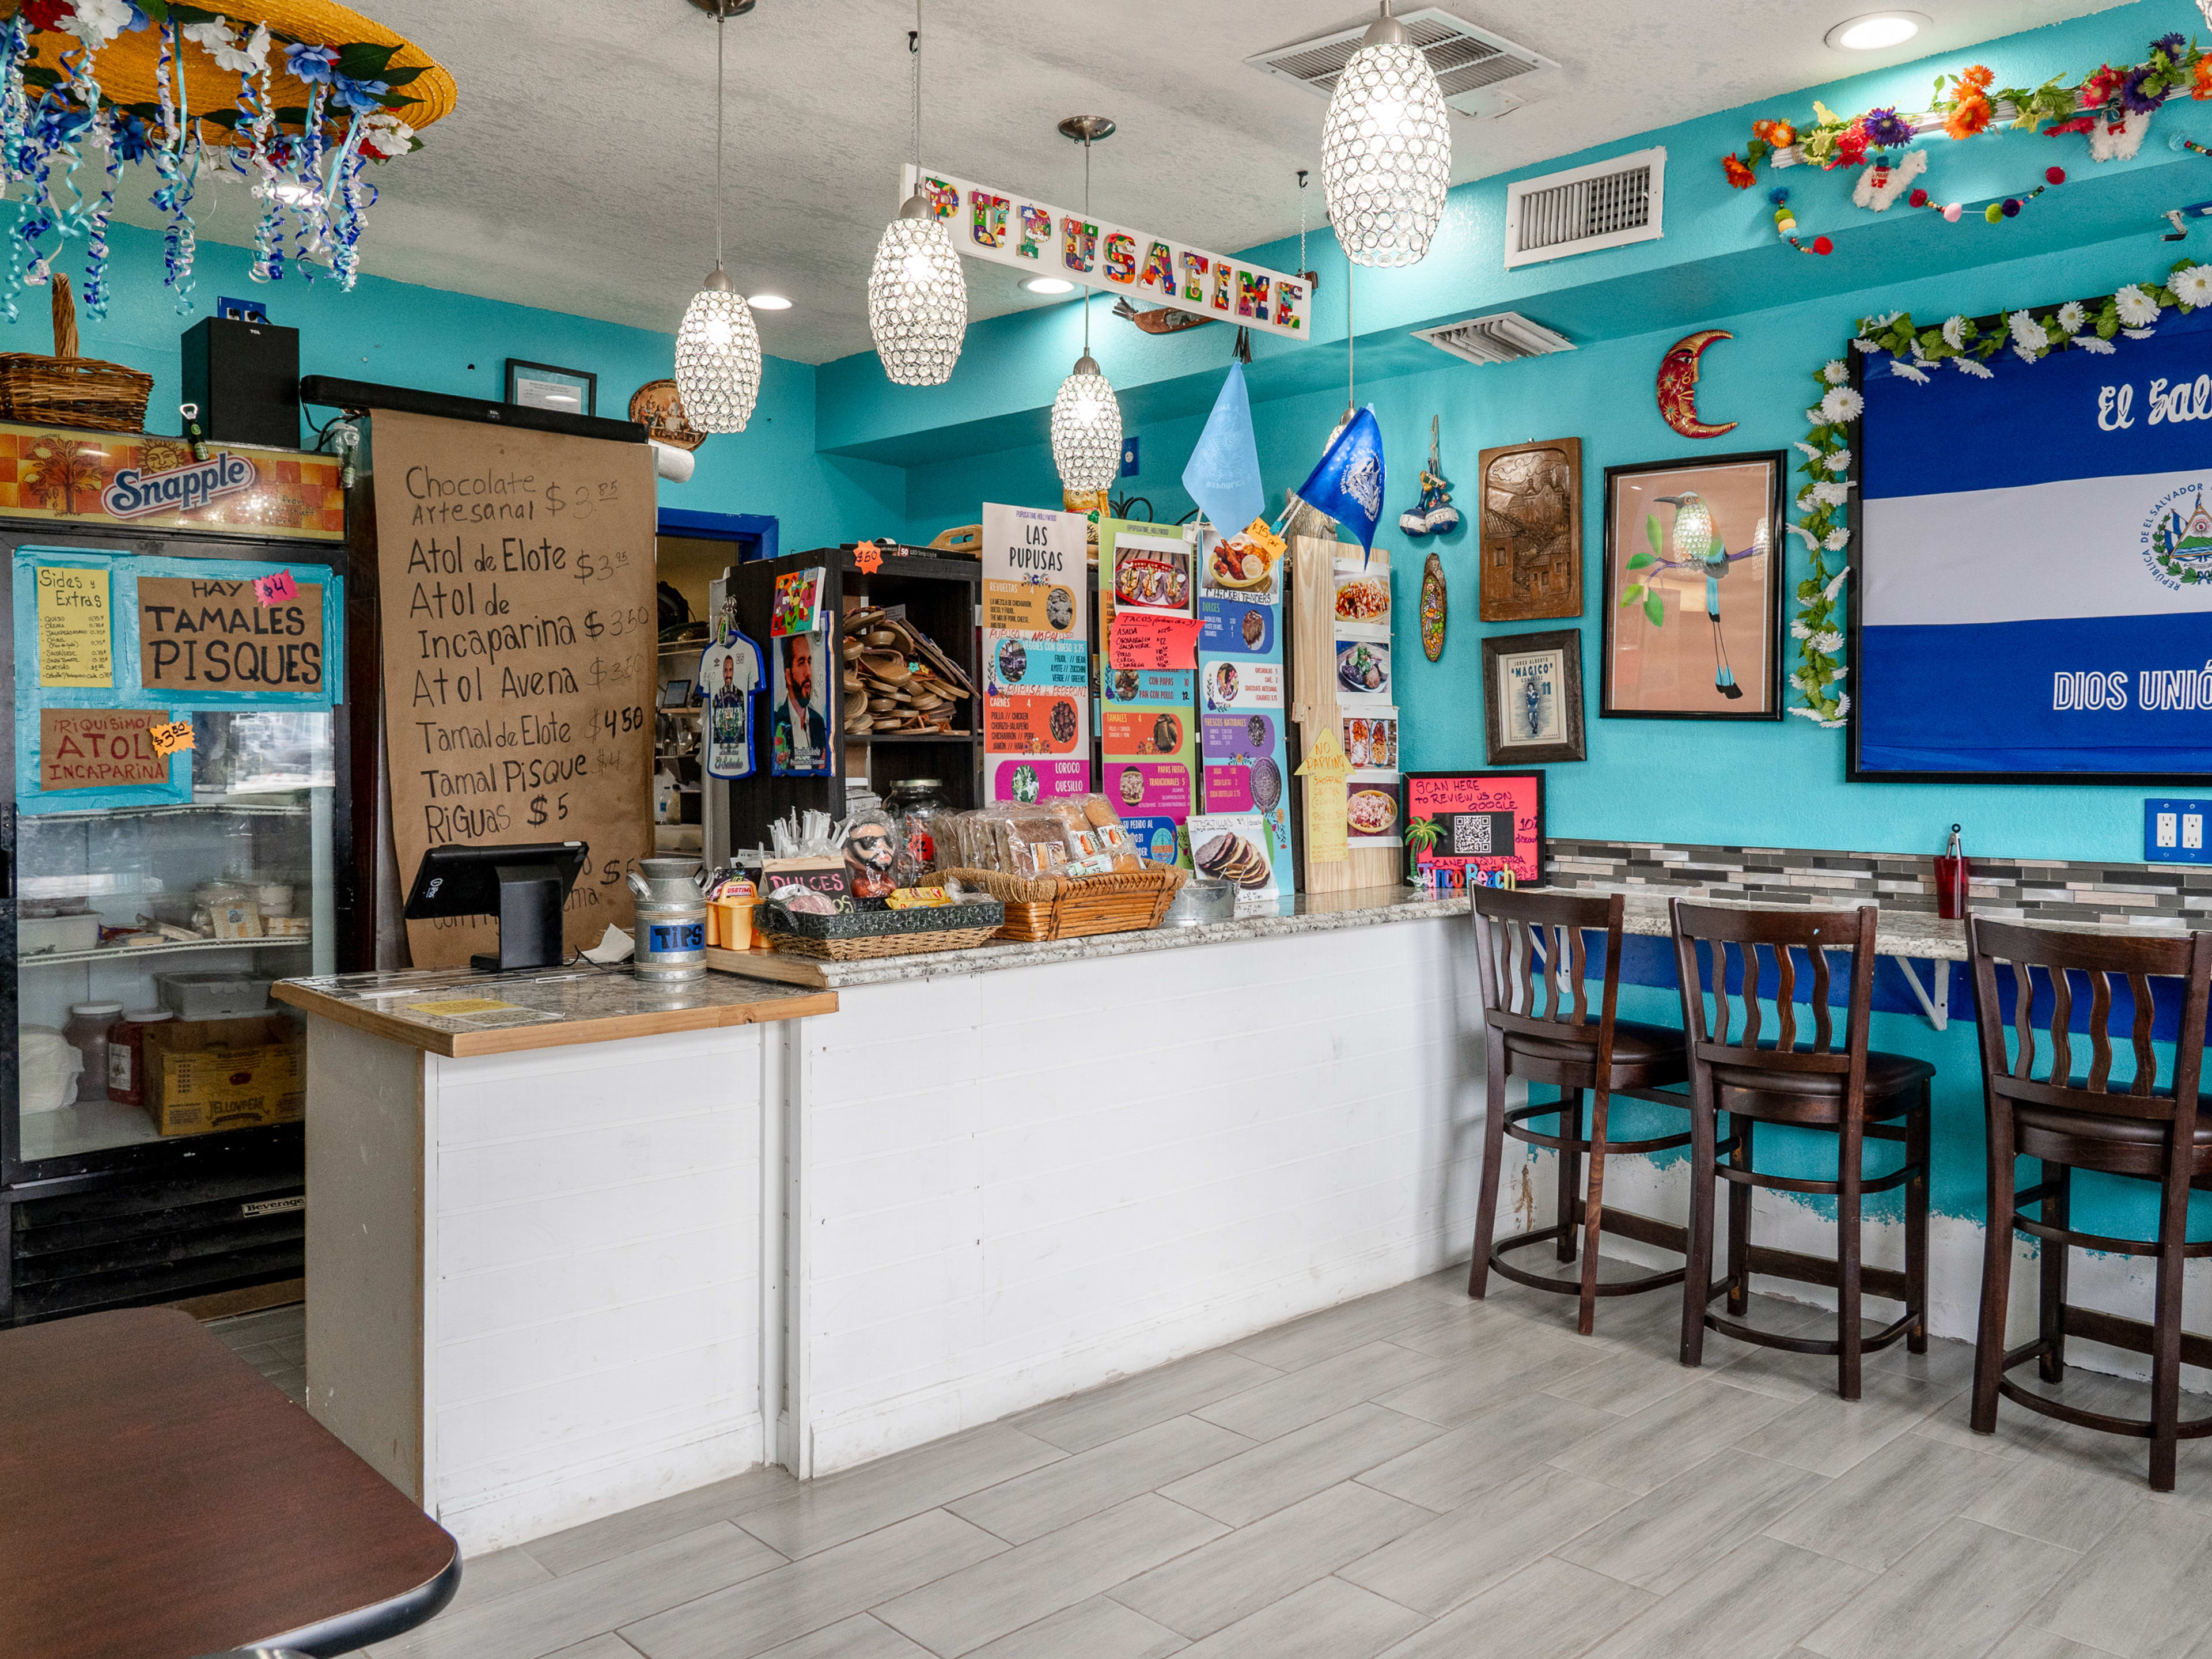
{"x": 520, "y": 628}
{"x": 195, "y": 635}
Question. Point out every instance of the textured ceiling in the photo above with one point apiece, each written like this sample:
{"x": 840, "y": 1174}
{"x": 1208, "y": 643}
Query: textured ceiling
{"x": 577, "y": 172}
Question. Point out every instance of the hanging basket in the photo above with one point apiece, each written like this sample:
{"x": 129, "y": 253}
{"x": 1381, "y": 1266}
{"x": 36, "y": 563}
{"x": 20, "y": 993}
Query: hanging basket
{"x": 67, "y": 390}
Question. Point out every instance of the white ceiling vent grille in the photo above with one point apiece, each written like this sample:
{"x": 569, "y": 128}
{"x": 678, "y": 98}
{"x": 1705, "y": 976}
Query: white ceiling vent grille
{"x": 1500, "y": 338}
{"x": 1607, "y": 204}
{"x": 1470, "y": 63}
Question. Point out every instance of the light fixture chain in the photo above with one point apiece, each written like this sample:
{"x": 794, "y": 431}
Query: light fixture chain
{"x": 721, "y": 19}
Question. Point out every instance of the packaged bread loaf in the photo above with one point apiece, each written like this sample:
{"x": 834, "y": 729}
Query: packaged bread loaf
{"x": 1114, "y": 841}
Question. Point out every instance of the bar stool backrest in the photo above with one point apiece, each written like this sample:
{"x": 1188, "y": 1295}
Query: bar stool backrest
{"x": 1522, "y": 993}
{"x": 2045, "y": 1004}
{"x": 1745, "y": 940}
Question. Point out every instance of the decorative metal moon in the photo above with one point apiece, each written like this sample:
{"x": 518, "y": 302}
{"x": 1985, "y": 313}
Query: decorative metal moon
{"x": 1678, "y": 384}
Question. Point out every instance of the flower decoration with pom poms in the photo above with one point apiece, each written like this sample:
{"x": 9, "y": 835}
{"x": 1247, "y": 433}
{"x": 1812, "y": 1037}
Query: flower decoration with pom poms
{"x": 297, "y": 98}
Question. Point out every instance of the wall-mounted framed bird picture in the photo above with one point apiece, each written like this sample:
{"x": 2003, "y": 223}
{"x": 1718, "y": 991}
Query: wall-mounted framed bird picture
{"x": 1694, "y": 579}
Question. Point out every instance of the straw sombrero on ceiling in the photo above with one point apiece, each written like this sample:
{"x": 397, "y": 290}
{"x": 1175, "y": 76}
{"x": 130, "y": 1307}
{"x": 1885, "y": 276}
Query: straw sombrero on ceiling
{"x": 414, "y": 86}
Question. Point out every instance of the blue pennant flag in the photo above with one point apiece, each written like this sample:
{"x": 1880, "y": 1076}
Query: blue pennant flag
{"x": 1347, "y": 481}
{"x": 1223, "y": 474}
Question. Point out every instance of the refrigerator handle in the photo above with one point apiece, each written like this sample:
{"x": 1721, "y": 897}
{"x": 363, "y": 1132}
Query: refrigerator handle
{"x": 8, "y": 845}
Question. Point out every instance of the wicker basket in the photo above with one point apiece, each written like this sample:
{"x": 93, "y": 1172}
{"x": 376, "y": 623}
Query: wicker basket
{"x": 1061, "y": 907}
{"x": 67, "y": 390}
{"x": 863, "y": 935}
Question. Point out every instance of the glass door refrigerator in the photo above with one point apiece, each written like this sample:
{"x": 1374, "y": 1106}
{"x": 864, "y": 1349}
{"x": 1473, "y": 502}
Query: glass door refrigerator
{"x": 177, "y": 826}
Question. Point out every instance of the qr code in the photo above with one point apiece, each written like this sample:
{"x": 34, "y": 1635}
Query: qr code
{"x": 1471, "y": 834}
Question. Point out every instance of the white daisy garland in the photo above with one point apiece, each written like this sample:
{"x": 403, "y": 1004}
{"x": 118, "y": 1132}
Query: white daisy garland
{"x": 1817, "y": 627}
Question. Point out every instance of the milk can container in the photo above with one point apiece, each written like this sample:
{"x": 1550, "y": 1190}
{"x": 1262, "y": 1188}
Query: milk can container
{"x": 671, "y": 921}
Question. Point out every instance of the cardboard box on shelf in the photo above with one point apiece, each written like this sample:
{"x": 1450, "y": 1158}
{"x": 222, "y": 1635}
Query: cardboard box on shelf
{"x": 204, "y": 1075}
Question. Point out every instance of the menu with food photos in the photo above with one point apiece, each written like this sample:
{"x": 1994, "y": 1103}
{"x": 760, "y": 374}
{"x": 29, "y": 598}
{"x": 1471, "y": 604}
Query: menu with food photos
{"x": 1148, "y": 719}
{"x": 1244, "y": 751}
{"x": 1036, "y": 663}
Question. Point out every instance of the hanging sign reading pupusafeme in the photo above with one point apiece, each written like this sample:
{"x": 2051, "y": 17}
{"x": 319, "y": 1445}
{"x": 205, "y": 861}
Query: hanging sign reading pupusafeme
{"x": 1009, "y": 229}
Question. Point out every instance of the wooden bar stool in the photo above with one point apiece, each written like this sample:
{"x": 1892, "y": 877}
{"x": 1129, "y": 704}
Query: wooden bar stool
{"x": 2152, "y": 1131}
{"x": 1543, "y": 1031}
{"x": 1857, "y": 1093}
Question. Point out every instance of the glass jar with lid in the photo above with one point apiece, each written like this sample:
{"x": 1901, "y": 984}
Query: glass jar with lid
{"x": 87, "y": 1033}
{"x": 915, "y": 804}
{"x": 127, "y": 1054}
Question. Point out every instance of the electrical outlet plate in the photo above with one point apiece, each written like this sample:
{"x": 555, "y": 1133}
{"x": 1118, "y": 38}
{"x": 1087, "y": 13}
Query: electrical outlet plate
{"x": 2174, "y": 832}
{"x": 1129, "y": 456}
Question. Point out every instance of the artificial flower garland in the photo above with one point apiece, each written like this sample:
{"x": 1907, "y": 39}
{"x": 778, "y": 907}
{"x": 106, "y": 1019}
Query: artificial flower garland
{"x": 2111, "y": 106}
{"x": 1819, "y": 676}
{"x": 303, "y": 163}
{"x": 2031, "y": 333}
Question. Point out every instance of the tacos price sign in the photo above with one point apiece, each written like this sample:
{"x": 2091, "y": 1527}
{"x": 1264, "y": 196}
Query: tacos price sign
{"x": 1007, "y": 227}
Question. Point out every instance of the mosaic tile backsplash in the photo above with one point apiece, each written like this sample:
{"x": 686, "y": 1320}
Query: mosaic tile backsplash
{"x": 2048, "y": 890}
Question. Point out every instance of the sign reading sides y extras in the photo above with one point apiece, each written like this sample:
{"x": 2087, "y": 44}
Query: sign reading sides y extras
{"x": 1009, "y": 229}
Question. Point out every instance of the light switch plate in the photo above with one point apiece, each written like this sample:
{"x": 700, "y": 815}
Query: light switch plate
{"x": 2173, "y": 832}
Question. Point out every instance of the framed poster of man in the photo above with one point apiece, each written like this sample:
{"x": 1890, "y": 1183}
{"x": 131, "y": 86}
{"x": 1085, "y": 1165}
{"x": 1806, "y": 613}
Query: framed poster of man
{"x": 1694, "y": 589}
{"x": 1532, "y": 696}
{"x": 798, "y": 733}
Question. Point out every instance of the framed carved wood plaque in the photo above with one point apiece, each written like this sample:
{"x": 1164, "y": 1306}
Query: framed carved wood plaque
{"x": 1531, "y": 497}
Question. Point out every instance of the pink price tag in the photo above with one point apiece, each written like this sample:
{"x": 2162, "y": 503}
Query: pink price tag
{"x": 1157, "y": 643}
{"x": 275, "y": 590}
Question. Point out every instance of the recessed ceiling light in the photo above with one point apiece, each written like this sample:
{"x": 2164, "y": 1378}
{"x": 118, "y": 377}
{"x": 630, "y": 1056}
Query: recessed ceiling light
{"x": 1876, "y": 31}
{"x": 769, "y": 302}
{"x": 1050, "y": 285}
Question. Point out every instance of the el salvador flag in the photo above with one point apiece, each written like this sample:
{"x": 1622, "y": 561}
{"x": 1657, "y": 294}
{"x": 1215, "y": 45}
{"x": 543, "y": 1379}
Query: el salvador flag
{"x": 1223, "y": 474}
{"x": 2036, "y": 568}
{"x": 1347, "y": 481}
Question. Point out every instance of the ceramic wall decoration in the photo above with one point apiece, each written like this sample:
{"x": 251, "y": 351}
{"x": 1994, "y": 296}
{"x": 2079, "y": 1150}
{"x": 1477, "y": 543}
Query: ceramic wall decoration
{"x": 1434, "y": 605}
{"x": 1678, "y": 384}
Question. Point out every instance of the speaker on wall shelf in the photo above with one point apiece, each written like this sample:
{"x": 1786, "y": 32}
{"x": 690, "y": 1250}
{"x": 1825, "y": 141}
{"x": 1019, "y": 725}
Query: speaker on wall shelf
{"x": 246, "y": 378}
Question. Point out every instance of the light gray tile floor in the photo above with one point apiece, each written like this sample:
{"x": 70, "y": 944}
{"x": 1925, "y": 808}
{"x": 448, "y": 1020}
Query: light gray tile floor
{"x": 274, "y": 1341}
{"x": 1408, "y": 1476}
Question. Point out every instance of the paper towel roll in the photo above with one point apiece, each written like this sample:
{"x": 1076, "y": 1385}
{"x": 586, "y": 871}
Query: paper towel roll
{"x": 671, "y": 462}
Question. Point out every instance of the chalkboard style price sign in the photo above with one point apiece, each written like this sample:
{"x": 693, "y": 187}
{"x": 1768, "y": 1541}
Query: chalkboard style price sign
{"x": 520, "y": 633}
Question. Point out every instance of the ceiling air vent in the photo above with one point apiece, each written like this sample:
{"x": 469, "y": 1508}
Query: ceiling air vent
{"x": 1470, "y": 63}
{"x": 1607, "y": 204}
{"x": 1498, "y": 338}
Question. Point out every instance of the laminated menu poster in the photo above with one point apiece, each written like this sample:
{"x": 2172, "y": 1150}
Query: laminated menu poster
{"x": 1148, "y": 734}
{"x": 1235, "y": 846}
{"x": 1479, "y": 826}
{"x": 1036, "y": 658}
{"x": 520, "y": 634}
{"x": 1242, "y": 737}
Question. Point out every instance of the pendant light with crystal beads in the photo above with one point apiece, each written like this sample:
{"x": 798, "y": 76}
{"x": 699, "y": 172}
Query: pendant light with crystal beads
{"x": 1386, "y": 149}
{"x": 1086, "y": 417}
{"x": 718, "y": 352}
{"x": 917, "y": 296}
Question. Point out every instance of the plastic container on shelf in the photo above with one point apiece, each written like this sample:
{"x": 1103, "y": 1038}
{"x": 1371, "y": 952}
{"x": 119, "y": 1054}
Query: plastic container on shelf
{"x": 914, "y": 806}
{"x": 87, "y": 1033}
{"x": 127, "y": 1054}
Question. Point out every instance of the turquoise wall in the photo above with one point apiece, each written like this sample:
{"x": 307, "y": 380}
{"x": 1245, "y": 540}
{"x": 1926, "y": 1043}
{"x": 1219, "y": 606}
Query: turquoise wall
{"x": 403, "y": 334}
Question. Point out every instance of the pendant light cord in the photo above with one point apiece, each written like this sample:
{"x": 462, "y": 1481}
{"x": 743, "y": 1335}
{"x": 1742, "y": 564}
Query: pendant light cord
{"x": 1350, "y": 343}
{"x": 914, "y": 50}
{"x": 721, "y": 18}
{"x": 1087, "y": 225}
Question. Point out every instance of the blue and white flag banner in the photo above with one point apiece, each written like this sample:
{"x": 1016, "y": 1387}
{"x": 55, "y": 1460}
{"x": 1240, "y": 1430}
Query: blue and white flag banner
{"x": 2035, "y": 564}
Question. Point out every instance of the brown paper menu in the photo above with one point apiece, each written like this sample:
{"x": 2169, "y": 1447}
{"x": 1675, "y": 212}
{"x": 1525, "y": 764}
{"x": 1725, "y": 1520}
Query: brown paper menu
{"x": 520, "y": 626}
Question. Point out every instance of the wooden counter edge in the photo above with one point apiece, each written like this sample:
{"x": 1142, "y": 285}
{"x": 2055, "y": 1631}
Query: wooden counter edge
{"x": 552, "y": 1034}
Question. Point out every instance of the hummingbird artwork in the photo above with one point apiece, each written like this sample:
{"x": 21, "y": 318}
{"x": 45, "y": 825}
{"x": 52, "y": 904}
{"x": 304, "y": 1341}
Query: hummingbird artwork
{"x": 1693, "y": 543}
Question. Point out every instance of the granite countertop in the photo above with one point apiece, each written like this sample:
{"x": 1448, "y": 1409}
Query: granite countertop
{"x": 458, "y": 1013}
{"x": 1307, "y": 912}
